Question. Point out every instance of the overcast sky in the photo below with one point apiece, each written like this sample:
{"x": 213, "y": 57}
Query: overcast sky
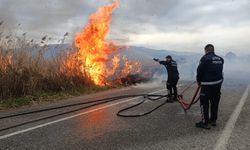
{"x": 181, "y": 25}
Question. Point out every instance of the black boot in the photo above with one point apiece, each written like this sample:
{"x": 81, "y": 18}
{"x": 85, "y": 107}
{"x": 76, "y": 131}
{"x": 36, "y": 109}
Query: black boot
{"x": 174, "y": 99}
{"x": 169, "y": 99}
{"x": 202, "y": 125}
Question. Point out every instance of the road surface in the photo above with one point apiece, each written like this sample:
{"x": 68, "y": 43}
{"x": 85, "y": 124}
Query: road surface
{"x": 169, "y": 127}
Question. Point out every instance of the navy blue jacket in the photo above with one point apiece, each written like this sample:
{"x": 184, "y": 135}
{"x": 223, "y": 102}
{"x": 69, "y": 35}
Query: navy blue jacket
{"x": 210, "y": 69}
{"x": 171, "y": 67}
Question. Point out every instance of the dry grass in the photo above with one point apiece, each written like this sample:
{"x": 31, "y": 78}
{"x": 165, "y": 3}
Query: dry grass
{"x": 25, "y": 70}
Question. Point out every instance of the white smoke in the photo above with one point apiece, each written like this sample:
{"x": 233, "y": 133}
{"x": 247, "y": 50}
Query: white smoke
{"x": 237, "y": 68}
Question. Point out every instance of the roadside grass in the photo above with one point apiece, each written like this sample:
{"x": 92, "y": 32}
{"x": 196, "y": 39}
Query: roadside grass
{"x": 51, "y": 96}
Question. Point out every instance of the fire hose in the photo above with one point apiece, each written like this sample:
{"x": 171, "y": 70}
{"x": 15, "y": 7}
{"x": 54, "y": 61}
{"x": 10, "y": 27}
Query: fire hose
{"x": 186, "y": 106}
{"x": 119, "y": 113}
{"x": 152, "y": 97}
{"x": 92, "y": 104}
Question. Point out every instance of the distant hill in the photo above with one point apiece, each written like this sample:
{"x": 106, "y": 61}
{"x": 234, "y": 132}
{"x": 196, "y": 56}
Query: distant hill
{"x": 231, "y": 56}
{"x": 147, "y": 53}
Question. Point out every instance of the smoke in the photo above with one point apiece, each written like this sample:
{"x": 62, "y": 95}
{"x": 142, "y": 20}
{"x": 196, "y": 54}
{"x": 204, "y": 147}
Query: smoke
{"x": 187, "y": 65}
{"x": 237, "y": 68}
{"x": 154, "y": 82}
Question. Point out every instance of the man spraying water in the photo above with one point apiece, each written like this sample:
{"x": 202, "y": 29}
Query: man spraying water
{"x": 173, "y": 77}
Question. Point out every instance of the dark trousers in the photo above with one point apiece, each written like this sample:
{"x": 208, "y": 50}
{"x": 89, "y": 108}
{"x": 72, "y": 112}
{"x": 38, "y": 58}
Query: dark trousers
{"x": 210, "y": 94}
{"x": 171, "y": 86}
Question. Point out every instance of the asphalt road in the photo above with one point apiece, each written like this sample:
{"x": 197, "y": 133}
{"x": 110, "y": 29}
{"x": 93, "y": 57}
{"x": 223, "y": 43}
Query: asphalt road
{"x": 167, "y": 128}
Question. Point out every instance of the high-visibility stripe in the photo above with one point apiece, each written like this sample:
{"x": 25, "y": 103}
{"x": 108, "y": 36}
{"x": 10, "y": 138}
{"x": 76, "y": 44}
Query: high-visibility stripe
{"x": 211, "y": 83}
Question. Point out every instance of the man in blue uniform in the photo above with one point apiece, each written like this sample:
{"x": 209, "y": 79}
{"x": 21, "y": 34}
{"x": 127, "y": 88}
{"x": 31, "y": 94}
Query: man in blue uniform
{"x": 210, "y": 78}
{"x": 173, "y": 77}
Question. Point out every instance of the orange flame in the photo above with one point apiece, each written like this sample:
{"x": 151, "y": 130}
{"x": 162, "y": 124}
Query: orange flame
{"x": 96, "y": 55}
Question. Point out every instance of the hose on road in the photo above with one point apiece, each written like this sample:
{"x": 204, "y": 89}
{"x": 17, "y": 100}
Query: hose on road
{"x": 91, "y": 104}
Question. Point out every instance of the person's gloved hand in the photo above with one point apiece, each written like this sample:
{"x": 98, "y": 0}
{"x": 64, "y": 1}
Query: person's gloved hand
{"x": 155, "y": 59}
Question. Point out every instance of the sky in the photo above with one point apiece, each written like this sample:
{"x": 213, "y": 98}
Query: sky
{"x": 179, "y": 25}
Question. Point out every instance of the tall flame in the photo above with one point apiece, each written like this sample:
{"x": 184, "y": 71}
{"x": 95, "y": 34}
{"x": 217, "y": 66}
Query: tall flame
{"x": 96, "y": 55}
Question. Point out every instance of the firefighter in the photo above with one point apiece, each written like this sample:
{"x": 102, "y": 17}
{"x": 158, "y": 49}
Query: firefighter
{"x": 173, "y": 77}
{"x": 209, "y": 77}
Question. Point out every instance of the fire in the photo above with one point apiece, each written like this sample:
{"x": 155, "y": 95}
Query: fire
{"x": 98, "y": 58}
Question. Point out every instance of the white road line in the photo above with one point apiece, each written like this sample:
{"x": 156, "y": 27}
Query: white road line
{"x": 224, "y": 137}
{"x": 69, "y": 117}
